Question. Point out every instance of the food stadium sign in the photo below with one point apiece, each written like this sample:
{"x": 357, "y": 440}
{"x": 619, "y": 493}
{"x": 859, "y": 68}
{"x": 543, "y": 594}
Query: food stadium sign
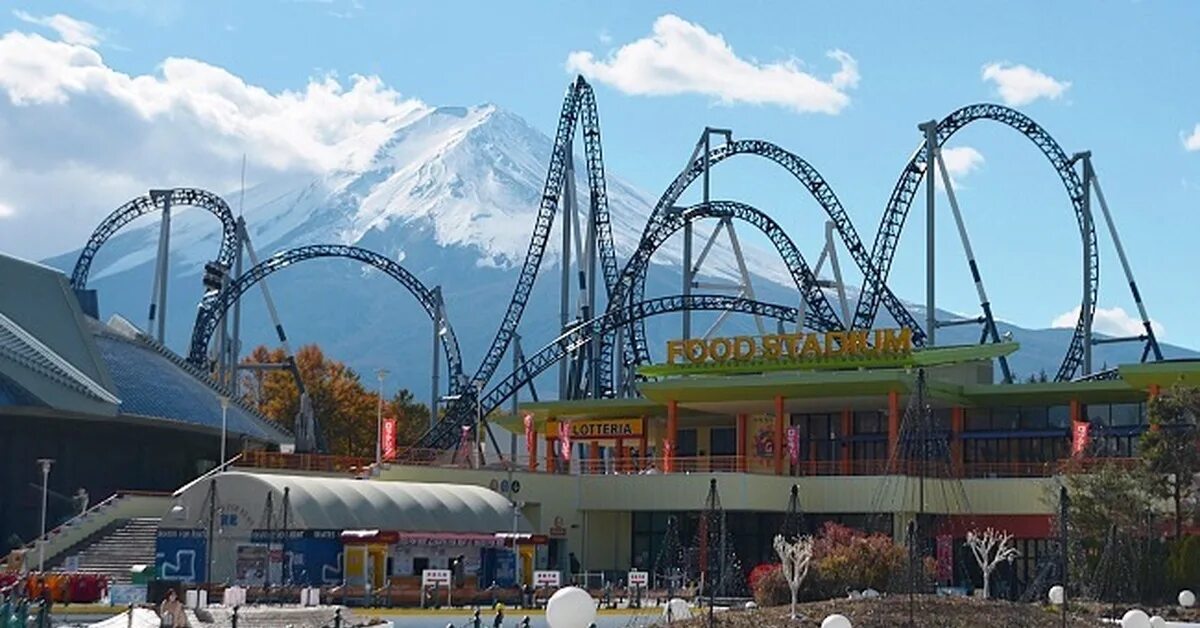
{"x": 798, "y": 347}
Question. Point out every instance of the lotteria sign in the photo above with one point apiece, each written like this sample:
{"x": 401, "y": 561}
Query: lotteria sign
{"x": 833, "y": 345}
{"x": 593, "y": 429}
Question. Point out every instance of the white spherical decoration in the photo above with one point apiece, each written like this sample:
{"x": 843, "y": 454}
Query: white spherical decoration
{"x": 1158, "y": 622}
{"x": 1135, "y": 618}
{"x": 870, "y": 593}
{"x": 836, "y": 621}
{"x": 679, "y": 609}
{"x": 570, "y": 607}
{"x": 751, "y": 605}
{"x": 1056, "y": 594}
{"x": 1187, "y": 599}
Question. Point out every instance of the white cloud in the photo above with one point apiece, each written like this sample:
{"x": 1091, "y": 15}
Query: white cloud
{"x": 5, "y": 210}
{"x": 1191, "y": 142}
{"x": 604, "y": 37}
{"x": 69, "y": 29}
{"x": 1113, "y": 321}
{"x": 79, "y": 137}
{"x": 961, "y": 161}
{"x": 1020, "y": 84}
{"x": 680, "y": 57}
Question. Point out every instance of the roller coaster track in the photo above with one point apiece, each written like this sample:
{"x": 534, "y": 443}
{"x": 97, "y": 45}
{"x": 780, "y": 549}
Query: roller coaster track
{"x": 446, "y": 433}
{"x": 216, "y": 303}
{"x": 823, "y": 316}
{"x": 627, "y": 308}
{"x": 146, "y": 204}
{"x": 811, "y": 180}
{"x": 579, "y": 105}
{"x": 901, "y": 200}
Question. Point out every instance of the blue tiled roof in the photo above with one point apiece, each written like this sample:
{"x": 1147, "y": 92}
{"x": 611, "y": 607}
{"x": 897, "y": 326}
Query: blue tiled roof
{"x": 14, "y": 394}
{"x": 151, "y": 385}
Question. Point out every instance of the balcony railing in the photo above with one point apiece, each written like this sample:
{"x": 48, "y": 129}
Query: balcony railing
{"x": 318, "y": 463}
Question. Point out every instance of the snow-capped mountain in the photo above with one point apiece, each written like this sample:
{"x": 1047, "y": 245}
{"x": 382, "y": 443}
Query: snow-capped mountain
{"x": 452, "y": 194}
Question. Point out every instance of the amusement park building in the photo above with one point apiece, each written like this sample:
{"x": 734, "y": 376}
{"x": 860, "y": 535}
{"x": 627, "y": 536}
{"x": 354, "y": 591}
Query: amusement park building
{"x": 838, "y": 429}
{"x": 113, "y": 409}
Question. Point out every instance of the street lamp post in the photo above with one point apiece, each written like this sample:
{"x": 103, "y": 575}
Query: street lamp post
{"x": 382, "y": 375}
{"x": 224, "y": 427}
{"x": 45, "y": 463}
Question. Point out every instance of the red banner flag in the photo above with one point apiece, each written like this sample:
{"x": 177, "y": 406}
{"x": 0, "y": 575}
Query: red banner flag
{"x": 793, "y": 444}
{"x": 389, "y": 439}
{"x": 945, "y": 558}
{"x": 1080, "y": 437}
{"x": 564, "y": 441}
{"x": 530, "y": 436}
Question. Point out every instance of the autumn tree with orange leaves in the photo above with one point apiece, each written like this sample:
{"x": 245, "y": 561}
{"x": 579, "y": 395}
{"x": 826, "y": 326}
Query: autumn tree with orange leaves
{"x": 344, "y": 408}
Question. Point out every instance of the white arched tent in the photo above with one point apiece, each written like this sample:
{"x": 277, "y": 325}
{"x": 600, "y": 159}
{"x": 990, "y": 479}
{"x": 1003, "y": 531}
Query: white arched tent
{"x": 327, "y": 505}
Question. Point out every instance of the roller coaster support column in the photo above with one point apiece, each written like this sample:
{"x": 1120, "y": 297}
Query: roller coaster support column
{"x": 589, "y": 263}
{"x": 931, "y": 149}
{"x": 1087, "y": 263}
{"x": 516, "y": 409}
{"x": 437, "y": 348}
{"x": 989, "y": 321}
{"x": 1089, "y": 174}
{"x": 158, "y": 303}
{"x": 568, "y": 210}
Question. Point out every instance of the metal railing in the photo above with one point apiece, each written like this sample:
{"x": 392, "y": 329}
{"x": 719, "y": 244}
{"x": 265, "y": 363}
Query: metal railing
{"x": 317, "y": 463}
{"x": 680, "y": 464}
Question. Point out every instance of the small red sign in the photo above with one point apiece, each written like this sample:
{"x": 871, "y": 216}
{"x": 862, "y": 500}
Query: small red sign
{"x": 945, "y": 558}
{"x": 564, "y": 441}
{"x": 530, "y": 435}
{"x": 1080, "y": 437}
{"x": 389, "y": 439}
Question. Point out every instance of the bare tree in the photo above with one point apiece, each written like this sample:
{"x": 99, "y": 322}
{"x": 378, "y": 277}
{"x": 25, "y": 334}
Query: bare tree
{"x": 991, "y": 547}
{"x": 796, "y": 556}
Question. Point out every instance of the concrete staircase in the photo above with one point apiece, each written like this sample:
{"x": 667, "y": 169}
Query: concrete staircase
{"x": 80, "y": 531}
{"x": 125, "y": 544}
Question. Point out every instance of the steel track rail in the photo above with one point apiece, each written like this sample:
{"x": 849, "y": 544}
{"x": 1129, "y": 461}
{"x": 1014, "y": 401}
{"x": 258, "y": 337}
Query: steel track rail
{"x": 892, "y": 223}
{"x": 143, "y": 205}
{"x": 215, "y": 303}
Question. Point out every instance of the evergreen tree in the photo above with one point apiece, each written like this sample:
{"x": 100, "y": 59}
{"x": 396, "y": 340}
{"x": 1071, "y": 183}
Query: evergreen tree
{"x": 1170, "y": 449}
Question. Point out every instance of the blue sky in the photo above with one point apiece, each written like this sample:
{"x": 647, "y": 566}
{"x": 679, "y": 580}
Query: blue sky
{"x": 1116, "y": 78}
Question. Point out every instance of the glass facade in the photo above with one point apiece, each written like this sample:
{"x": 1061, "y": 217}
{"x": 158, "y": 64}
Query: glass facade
{"x": 751, "y": 533}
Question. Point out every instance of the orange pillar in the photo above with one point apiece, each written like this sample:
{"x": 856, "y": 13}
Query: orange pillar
{"x": 893, "y": 423}
{"x": 644, "y": 452}
{"x": 550, "y": 455}
{"x": 620, "y": 456}
{"x": 779, "y": 435}
{"x": 847, "y": 432}
{"x": 741, "y": 443}
{"x": 594, "y": 461}
{"x": 957, "y": 426}
{"x": 533, "y": 462}
{"x": 670, "y": 439}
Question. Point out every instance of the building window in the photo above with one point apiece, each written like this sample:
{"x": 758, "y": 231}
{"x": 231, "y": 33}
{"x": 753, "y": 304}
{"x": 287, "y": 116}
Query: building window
{"x": 869, "y": 422}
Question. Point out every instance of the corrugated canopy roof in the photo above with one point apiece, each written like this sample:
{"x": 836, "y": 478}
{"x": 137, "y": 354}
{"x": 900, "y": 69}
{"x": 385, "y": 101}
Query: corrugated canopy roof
{"x": 325, "y": 503}
{"x": 150, "y": 385}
